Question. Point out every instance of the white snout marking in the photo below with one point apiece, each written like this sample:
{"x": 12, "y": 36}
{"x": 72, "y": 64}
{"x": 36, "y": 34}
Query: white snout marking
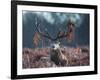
{"x": 56, "y": 46}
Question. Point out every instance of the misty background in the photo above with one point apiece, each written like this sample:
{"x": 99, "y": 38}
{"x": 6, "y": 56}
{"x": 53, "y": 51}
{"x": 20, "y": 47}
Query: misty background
{"x": 53, "y": 22}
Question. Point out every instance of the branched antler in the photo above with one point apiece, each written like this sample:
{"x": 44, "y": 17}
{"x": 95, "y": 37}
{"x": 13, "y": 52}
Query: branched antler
{"x": 60, "y": 35}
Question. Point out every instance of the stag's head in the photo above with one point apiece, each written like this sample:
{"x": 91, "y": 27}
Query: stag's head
{"x": 60, "y": 35}
{"x": 55, "y": 46}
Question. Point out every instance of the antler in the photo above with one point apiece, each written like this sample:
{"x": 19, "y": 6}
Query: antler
{"x": 61, "y": 34}
{"x": 70, "y": 32}
{"x": 46, "y": 34}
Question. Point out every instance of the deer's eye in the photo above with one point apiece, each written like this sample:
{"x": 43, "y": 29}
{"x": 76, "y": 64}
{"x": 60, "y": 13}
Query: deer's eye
{"x": 53, "y": 46}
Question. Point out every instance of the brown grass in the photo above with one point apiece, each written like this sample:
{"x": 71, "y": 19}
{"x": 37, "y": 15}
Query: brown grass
{"x": 40, "y": 57}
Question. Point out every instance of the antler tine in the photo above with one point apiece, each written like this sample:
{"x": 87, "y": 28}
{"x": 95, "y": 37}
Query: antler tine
{"x": 47, "y": 35}
{"x": 47, "y": 32}
{"x": 61, "y": 34}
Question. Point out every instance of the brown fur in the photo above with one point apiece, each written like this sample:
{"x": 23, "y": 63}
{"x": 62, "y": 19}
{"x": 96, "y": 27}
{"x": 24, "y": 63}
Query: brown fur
{"x": 59, "y": 58}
